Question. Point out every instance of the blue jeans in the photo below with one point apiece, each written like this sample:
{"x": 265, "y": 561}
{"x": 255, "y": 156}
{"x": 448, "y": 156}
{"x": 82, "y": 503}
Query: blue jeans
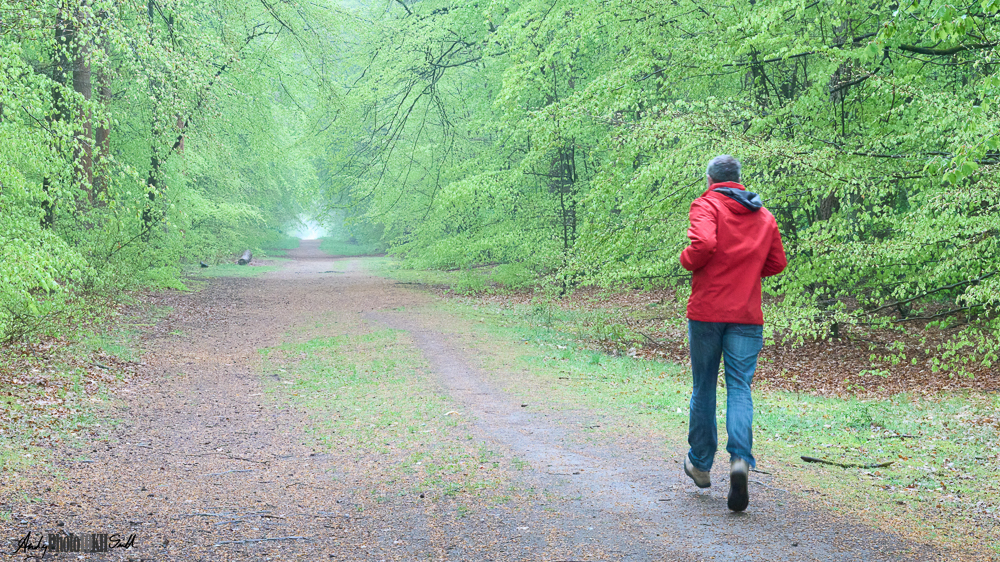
{"x": 739, "y": 344}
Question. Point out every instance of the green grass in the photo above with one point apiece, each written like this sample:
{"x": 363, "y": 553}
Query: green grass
{"x": 349, "y": 248}
{"x": 575, "y": 374}
{"x": 959, "y": 430}
{"x": 388, "y": 267}
{"x": 232, "y": 270}
{"x": 369, "y": 394}
{"x": 485, "y": 280}
{"x": 351, "y": 380}
{"x": 118, "y": 340}
{"x": 944, "y": 450}
{"x": 63, "y": 406}
{"x": 15, "y": 456}
{"x": 111, "y": 344}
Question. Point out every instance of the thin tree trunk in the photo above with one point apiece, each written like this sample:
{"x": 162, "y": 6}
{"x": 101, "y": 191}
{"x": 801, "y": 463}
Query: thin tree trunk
{"x": 180, "y": 134}
{"x": 65, "y": 34}
{"x": 102, "y": 141}
{"x": 149, "y": 214}
{"x": 83, "y": 155}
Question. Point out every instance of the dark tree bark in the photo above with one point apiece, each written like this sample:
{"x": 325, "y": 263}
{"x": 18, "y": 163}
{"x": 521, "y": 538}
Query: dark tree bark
{"x": 827, "y": 207}
{"x": 563, "y": 183}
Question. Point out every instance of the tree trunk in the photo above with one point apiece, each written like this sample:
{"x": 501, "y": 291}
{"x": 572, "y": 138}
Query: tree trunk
{"x": 828, "y": 206}
{"x": 65, "y": 34}
{"x": 102, "y": 141}
{"x": 83, "y": 152}
{"x": 245, "y": 258}
{"x": 180, "y": 135}
{"x": 149, "y": 215}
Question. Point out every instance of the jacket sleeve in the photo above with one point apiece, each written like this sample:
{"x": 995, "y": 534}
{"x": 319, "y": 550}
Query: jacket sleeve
{"x": 776, "y": 260}
{"x": 702, "y": 234}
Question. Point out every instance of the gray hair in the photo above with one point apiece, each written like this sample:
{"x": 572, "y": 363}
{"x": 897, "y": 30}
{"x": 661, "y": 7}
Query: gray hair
{"x": 724, "y": 168}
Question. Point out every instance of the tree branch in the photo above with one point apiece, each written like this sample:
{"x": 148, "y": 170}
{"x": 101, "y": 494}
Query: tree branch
{"x": 933, "y": 316}
{"x": 850, "y": 83}
{"x": 939, "y": 289}
{"x": 946, "y": 52}
{"x": 847, "y": 465}
{"x": 405, "y": 7}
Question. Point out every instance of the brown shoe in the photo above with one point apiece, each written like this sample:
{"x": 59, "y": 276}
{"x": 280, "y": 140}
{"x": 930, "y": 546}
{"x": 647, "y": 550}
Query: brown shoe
{"x": 701, "y": 478}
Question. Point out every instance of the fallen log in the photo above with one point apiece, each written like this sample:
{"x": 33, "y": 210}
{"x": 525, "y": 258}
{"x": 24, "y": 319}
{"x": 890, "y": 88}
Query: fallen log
{"x": 245, "y": 259}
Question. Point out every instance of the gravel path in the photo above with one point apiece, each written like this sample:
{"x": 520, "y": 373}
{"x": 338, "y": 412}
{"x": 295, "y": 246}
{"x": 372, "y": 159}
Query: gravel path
{"x": 207, "y": 465}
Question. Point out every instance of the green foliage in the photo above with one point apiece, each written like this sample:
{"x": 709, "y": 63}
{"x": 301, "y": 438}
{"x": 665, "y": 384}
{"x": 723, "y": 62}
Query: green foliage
{"x": 569, "y": 139}
{"x": 559, "y": 140}
{"x": 132, "y": 141}
{"x": 35, "y": 268}
{"x": 278, "y": 242}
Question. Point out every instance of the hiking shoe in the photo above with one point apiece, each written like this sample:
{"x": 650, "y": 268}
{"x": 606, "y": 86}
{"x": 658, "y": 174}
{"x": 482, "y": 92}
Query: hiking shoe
{"x": 739, "y": 496}
{"x": 701, "y": 478}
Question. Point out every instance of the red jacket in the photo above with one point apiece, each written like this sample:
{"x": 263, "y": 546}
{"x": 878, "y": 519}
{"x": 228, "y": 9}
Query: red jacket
{"x": 734, "y": 242}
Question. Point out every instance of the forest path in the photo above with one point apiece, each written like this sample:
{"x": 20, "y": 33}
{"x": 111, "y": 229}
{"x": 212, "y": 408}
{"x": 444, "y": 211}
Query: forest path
{"x": 212, "y": 463}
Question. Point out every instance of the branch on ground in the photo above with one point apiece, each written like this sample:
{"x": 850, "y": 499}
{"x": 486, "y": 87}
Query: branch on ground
{"x": 847, "y": 465}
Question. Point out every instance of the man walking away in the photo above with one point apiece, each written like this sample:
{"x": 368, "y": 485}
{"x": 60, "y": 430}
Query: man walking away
{"x": 734, "y": 242}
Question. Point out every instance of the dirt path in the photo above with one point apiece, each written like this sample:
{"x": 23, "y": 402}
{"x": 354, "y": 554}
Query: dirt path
{"x": 209, "y": 465}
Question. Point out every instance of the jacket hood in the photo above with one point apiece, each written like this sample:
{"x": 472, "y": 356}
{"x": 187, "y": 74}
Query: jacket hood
{"x": 748, "y": 199}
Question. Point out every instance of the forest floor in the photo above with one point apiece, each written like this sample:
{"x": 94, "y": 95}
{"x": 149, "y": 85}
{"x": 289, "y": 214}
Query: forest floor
{"x": 319, "y": 412}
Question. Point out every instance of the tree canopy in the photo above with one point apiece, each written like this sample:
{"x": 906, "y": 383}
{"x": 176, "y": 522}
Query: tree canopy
{"x": 548, "y": 139}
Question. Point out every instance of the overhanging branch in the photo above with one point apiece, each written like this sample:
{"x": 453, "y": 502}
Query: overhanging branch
{"x": 946, "y": 52}
{"x": 928, "y": 293}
